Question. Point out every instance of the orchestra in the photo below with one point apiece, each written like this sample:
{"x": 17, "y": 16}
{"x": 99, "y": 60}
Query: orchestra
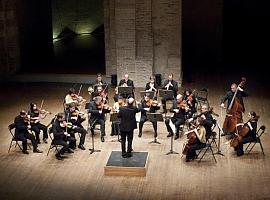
{"x": 198, "y": 121}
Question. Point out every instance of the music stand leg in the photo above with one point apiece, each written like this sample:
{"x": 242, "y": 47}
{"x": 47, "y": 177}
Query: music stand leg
{"x": 114, "y": 128}
{"x": 92, "y": 150}
{"x": 171, "y": 150}
{"x": 155, "y": 141}
{"x": 219, "y": 135}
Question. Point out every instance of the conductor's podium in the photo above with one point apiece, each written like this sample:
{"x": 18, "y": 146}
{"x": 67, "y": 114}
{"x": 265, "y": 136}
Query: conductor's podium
{"x": 133, "y": 166}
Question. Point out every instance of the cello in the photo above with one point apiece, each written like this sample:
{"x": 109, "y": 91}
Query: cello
{"x": 234, "y": 111}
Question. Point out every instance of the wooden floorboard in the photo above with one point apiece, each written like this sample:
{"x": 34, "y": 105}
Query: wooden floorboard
{"x": 81, "y": 175}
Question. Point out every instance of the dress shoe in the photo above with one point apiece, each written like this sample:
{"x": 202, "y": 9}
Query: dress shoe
{"x": 102, "y": 139}
{"x": 25, "y": 152}
{"x": 124, "y": 155}
{"x": 129, "y": 154}
{"x": 37, "y": 151}
{"x": 169, "y": 135}
{"x": 70, "y": 151}
{"x": 176, "y": 137}
{"x": 140, "y": 134}
{"x": 81, "y": 147}
{"x": 38, "y": 141}
{"x": 45, "y": 140}
{"x": 73, "y": 147}
{"x": 58, "y": 157}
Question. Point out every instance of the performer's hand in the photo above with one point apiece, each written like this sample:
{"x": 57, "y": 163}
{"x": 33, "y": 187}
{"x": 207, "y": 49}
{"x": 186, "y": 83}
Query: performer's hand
{"x": 73, "y": 127}
{"x": 100, "y": 111}
{"x": 176, "y": 110}
{"x": 65, "y": 133}
{"x": 29, "y": 126}
{"x": 147, "y": 109}
{"x": 241, "y": 89}
{"x": 222, "y": 105}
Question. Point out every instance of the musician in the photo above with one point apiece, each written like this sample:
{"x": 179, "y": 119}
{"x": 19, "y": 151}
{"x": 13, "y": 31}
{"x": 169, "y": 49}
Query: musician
{"x": 72, "y": 97}
{"x": 36, "y": 126}
{"x": 128, "y": 123}
{"x": 169, "y": 84}
{"x": 191, "y": 102}
{"x": 115, "y": 125}
{"x": 179, "y": 110}
{"x": 251, "y": 135}
{"x": 101, "y": 92}
{"x": 93, "y": 89}
{"x": 152, "y": 86}
{"x": 200, "y": 141}
{"x": 97, "y": 112}
{"x": 228, "y": 97}
{"x": 124, "y": 83}
{"x": 75, "y": 118}
{"x": 22, "y": 132}
{"x": 147, "y": 105}
{"x": 61, "y": 136}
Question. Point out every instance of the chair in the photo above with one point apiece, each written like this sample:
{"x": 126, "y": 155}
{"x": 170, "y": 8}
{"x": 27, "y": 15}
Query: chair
{"x": 202, "y": 96}
{"x": 52, "y": 145}
{"x": 259, "y": 133}
{"x": 11, "y": 129}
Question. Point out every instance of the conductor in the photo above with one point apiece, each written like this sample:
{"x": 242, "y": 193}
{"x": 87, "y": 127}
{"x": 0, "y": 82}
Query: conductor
{"x": 128, "y": 123}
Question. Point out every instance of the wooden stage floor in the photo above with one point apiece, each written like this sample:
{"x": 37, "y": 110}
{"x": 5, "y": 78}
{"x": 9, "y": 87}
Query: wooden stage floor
{"x": 81, "y": 175}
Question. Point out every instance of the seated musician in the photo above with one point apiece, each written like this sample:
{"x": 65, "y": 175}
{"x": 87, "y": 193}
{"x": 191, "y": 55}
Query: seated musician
{"x": 97, "y": 110}
{"x": 101, "y": 93}
{"x": 199, "y": 141}
{"x": 75, "y": 118}
{"x": 61, "y": 136}
{"x": 126, "y": 82}
{"x": 22, "y": 132}
{"x": 152, "y": 86}
{"x": 36, "y": 126}
{"x": 169, "y": 84}
{"x": 93, "y": 88}
{"x": 147, "y": 105}
{"x": 115, "y": 128}
{"x": 72, "y": 97}
{"x": 190, "y": 101}
{"x": 251, "y": 135}
{"x": 179, "y": 110}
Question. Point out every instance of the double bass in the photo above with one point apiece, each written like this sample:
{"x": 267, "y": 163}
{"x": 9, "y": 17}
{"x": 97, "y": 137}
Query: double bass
{"x": 234, "y": 111}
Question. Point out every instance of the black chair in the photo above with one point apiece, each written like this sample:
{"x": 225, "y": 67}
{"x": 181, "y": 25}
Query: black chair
{"x": 11, "y": 129}
{"x": 52, "y": 145}
{"x": 202, "y": 96}
{"x": 259, "y": 133}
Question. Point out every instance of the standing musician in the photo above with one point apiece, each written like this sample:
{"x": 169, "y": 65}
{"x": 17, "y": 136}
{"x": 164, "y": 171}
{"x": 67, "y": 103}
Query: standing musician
{"x": 169, "y": 84}
{"x": 61, "y": 136}
{"x": 97, "y": 110}
{"x": 75, "y": 118}
{"x": 116, "y": 106}
{"x": 35, "y": 114}
{"x": 152, "y": 86}
{"x": 128, "y": 123}
{"x": 72, "y": 97}
{"x": 197, "y": 140}
{"x": 179, "y": 109}
{"x": 190, "y": 101}
{"x": 22, "y": 132}
{"x": 147, "y": 105}
{"x": 249, "y": 130}
{"x": 126, "y": 82}
{"x": 235, "y": 106}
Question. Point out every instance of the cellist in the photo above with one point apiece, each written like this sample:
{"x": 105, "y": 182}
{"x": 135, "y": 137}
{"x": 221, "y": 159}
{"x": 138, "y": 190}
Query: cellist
{"x": 235, "y": 107}
{"x": 250, "y": 135}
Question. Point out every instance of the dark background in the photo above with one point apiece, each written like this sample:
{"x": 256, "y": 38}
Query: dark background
{"x": 237, "y": 45}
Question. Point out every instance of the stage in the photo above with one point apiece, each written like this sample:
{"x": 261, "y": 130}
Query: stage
{"x": 81, "y": 175}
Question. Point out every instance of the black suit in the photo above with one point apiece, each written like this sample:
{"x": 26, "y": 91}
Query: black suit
{"x": 130, "y": 84}
{"x": 174, "y": 88}
{"x": 22, "y": 134}
{"x": 128, "y": 123}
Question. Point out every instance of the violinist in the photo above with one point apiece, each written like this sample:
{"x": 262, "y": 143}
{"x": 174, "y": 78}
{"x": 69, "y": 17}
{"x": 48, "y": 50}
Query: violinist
{"x": 152, "y": 86}
{"x": 250, "y": 136}
{"x": 179, "y": 117}
{"x": 97, "y": 110}
{"x": 35, "y": 114}
{"x": 101, "y": 93}
{"x": 72, "y": 97}
{"x": 198, "y": 142}
{"x": 235, "y": 105}
{"x": 75, "y": 118}
{"x": 190, "y": 101}
{"x": 147, "y": 105}
{"x": 22, "y": 127}
{"x": 169, "y": 84}
{"x": 117, "y": 105}
{"x": 61, "y": 136}
{"x": 93, "y": 89}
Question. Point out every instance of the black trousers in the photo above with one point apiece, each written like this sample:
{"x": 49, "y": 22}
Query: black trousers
{"x": 192, "y": 149}
{"x": 126, "y": 135}
{"x": 64, "y": 145}
{"x": 79, "y": 130}
{"x": 94, "y": 122}
{"x": 143, "y": 120}
{"x": 26, "y": 135}
{"x": 177, "y": 122}
{"x": 37, "y": 128}
{"x": 115, "y": 128}
{"x": 239, "y": 147}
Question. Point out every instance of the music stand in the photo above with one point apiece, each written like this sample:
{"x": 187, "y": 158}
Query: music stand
{"x": 90, "y": 127}
{"x": 171, "y": 150}
{"x": 125, "y": 91}
{"x": 154, "y": 117}
{"x": 116, "y": 121}
{"x": 220, "y": 131}
{"x": 150, "y": 94}
{"x": 166, "y": 94}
